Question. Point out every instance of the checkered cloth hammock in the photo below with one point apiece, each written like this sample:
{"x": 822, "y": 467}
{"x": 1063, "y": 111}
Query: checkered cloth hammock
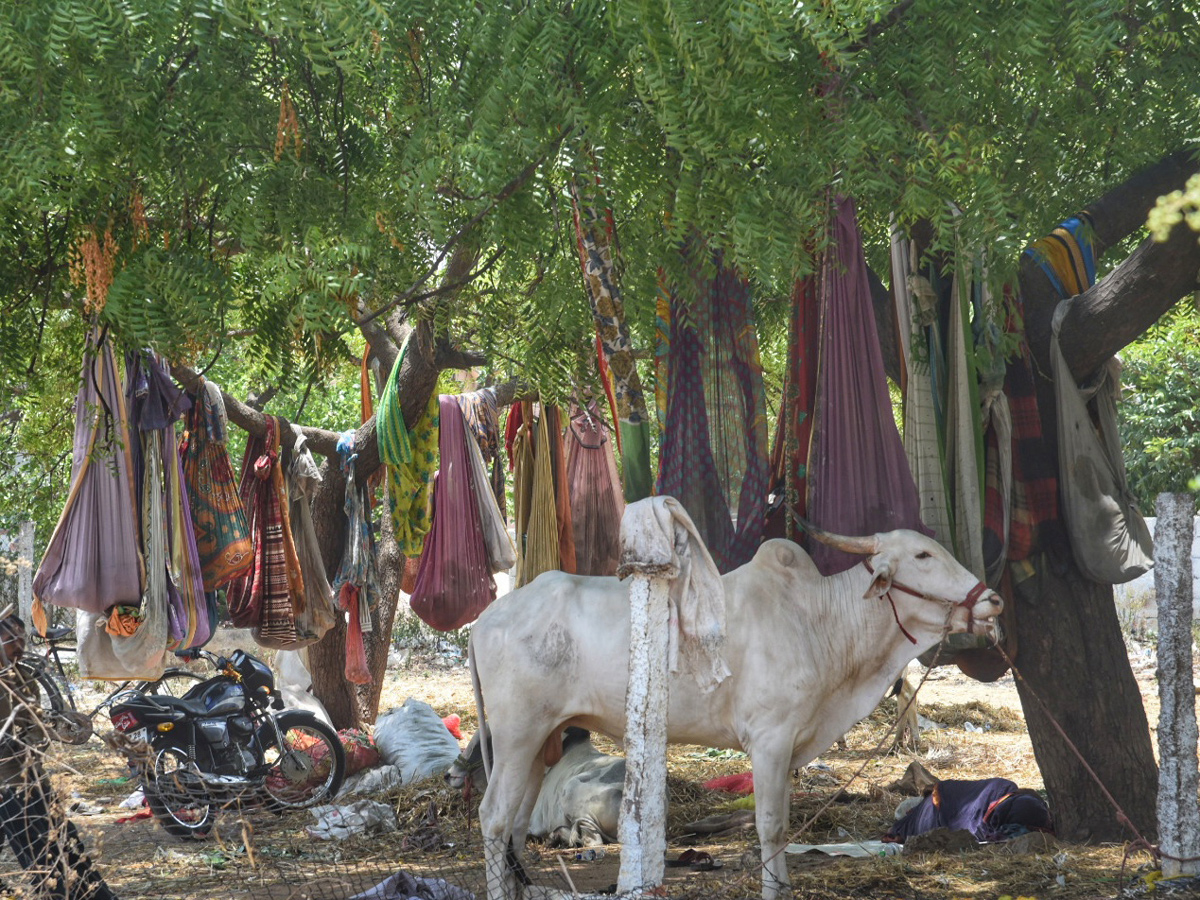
{"x": 714, "y": 454}
{"x": 859, "y": 478}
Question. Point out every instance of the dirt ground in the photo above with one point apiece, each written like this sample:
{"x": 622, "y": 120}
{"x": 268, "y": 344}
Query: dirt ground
{"x": 970, "y": 730}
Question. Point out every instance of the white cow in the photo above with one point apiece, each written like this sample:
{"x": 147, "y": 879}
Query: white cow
{"x": 810, "y": 656}
{"x": 579, "y": 803}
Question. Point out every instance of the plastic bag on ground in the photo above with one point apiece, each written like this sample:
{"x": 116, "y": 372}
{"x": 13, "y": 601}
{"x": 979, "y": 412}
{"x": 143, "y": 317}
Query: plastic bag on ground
{"x": 414, "y": 738}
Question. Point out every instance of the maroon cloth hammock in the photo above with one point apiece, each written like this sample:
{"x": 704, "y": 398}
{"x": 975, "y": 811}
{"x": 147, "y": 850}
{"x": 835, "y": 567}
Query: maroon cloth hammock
{"x": 859, "y": 479}
{"x": 454, "y": 580}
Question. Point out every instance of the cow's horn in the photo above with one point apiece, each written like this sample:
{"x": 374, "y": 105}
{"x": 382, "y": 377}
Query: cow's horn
{"x": 863, "y": 545}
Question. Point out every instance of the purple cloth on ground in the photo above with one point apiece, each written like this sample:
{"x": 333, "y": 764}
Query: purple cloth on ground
{"x": 964, "y": 805}
{"x": 859, "y": 479}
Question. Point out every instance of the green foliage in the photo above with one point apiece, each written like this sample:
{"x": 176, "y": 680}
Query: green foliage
{"x": 1160, "y": 425}
{"x": 264, "y": 165}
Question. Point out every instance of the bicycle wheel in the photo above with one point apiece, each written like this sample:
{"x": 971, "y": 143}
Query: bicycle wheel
{"x": 175, "y": 682}
{"x": 62, "y": 722}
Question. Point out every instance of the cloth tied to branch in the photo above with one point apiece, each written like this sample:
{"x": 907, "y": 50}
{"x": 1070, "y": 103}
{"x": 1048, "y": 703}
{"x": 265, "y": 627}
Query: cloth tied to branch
{"x": 659, "y": 539}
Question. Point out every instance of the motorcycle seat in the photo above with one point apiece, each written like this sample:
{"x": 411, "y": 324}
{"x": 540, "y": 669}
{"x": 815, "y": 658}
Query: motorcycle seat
{"x": 191, "y": 707}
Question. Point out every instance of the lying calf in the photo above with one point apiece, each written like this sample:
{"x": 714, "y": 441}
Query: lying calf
{"x": 580, "y": 799}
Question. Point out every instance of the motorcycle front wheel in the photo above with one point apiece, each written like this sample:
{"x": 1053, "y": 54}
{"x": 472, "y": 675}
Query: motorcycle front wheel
{"x": 176, "y": 794}
{"x": 308, "y": 768}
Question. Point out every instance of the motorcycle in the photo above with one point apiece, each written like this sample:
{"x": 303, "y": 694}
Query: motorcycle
{"x": 226, "y": 741}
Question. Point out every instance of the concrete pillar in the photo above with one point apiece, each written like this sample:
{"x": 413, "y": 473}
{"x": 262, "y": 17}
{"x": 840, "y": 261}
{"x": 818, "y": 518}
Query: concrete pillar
{"x": 1178, "y": 813}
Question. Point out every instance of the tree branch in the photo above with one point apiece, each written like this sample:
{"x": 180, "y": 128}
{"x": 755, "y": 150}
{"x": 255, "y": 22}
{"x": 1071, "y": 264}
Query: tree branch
{"x": 1123, "y": 210}
{"x": 1118, "y": 309}
{"x": 505, "y": 192}
{"x": 881, "y": 26}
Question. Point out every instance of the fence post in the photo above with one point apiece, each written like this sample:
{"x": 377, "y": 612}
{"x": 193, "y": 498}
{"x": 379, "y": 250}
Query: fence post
{"x": 25, "y": 572}
{"x": 642, "y": 829}
{"x": 1178, "y": 814}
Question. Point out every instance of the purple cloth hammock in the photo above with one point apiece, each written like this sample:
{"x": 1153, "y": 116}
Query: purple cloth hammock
{"x": 714, "y": 455}
{"x": 454, "y": 577}
{"x": 859, "y": 482}
{"x": 92, "y": 560}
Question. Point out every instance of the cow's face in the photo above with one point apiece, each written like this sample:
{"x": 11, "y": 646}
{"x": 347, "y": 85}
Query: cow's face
{"x": 908, "y": 564}
{"x": 467, "y": 770}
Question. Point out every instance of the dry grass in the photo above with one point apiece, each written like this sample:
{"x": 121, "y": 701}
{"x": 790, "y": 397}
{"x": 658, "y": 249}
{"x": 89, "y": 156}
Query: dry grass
{"x": 258, "y": 855}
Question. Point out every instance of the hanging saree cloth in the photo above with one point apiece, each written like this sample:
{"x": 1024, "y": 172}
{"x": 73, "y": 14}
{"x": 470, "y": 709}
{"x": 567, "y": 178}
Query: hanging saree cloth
{"x": 964, "y": 435}
{"x": 1033, "y": 519}
{"x": 915, "y": 311}
{"x": 542, "y": 537}
{"x": 789, "y": 456}
{"x": 519, "y": 440}
{"x": 454, "y": 581}
{"x": 859, "y": 480}
{"x": 595, "y": 491}
{"x": 317, "y": 613}
{"x": 482, "y": 416}
{"x": 714, "y": 455}
{"x": 356, "y": 581}
{"x": 479, "y": 416}
{"x": 594, "y": 233}
{"x": 92, "y": 561}
{"x": 155, "y": 403}
{"x": 218, "y": 517}
{"x": 562, "y": 494}
{"x": 185, "y": 557}
{"x": 262, "y": 598}
{"x": 411, "y": 458}
{"x": 135, "y": 644}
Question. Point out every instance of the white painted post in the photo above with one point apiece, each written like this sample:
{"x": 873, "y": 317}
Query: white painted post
{"x": 1178, "y": 813}
{"x": 25, "y": 572}
{"x": 642, "y": 829}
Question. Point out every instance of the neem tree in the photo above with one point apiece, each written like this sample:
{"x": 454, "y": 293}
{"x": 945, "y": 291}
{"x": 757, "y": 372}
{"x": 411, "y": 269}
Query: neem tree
{"x": 263, "y": 183}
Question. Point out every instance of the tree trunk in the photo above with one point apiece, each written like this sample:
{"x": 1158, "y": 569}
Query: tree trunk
{"x": 1072, "y": 656}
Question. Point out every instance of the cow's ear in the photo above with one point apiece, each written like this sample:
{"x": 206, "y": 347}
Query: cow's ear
{"x": 881, "y": 580}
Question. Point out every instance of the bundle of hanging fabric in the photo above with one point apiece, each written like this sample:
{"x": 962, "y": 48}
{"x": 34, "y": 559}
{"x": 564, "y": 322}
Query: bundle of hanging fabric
{"x": 595, "y": 492}
{"x": 124, "y": 553}
{"x": 541, "y": 498}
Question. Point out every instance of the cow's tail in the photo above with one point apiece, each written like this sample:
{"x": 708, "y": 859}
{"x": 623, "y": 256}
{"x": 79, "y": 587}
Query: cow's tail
{"x": 485, "y": 744}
